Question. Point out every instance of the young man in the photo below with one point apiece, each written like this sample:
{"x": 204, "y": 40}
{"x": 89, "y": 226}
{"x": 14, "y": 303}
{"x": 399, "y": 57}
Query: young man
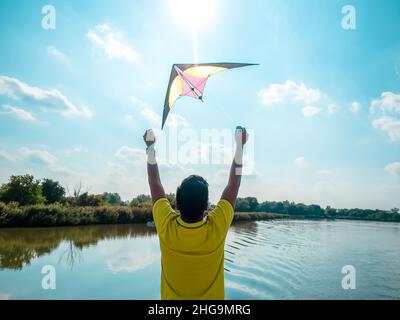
{"x": 192, "y": 243}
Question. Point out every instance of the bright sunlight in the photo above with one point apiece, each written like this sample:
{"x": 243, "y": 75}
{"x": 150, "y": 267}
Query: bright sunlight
{"x": 193, "y": 13}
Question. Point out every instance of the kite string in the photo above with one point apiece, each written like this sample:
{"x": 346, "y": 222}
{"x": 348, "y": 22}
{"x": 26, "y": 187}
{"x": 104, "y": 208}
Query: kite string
{"x": 195, "y": 45}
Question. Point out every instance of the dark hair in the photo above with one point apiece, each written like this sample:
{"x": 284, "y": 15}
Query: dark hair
{"x": 192, "y": 197}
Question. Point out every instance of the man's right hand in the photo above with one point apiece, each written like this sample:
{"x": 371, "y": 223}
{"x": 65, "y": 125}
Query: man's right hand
{"x": 149, "y": 138}
{"x": 156, "y": 188}
{"x": 241, "y": 136}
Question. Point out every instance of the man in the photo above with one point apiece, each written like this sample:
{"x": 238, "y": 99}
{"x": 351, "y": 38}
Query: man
{"x": 191, "y": 242}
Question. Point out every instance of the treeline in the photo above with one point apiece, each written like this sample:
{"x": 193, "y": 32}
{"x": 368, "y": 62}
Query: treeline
{"x": 26, "y": 201}
{"x": 300, "y": 210}
{"x": 25, "y": 190}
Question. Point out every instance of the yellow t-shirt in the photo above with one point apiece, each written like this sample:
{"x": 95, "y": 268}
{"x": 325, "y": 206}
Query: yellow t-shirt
{"x": 192, "y": 254}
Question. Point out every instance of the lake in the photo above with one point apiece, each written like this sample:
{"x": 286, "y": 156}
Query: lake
{"x": 282, "y": 259}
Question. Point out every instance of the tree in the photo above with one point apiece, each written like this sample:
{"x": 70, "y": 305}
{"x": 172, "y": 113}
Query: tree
{"x": 89, "y": 200}
{"x": 22, "y": 189}
{"x": 141, "y": 201}
{"x": 113, "y": 199}
{"x": 330, "y": 212}
{"x": 253, "y": 203}
{"x": 242, "y": 205}
{"x": 52, "y": 191}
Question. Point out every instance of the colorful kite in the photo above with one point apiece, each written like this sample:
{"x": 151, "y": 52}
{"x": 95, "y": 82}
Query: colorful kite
{"x": 190, "y": 80}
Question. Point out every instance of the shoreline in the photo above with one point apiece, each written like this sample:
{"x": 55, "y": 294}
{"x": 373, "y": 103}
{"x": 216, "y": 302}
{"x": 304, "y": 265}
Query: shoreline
{"x": 55, "y": 216}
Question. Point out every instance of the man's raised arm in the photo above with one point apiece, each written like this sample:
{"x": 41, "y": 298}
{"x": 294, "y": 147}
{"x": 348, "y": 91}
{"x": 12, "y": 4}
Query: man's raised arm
{"x": 156, "y": 188}
{"x": 235, "y": 176}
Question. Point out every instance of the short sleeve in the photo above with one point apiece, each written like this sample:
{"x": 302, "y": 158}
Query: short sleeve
{"x": 161, "y": 211}
{"x": 222, "y": 215}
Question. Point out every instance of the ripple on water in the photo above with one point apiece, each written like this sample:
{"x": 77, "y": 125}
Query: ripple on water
{"x": 272, "y": 269}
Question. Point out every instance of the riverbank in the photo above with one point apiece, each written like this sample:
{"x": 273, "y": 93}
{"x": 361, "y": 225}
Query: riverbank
{"x": 58, "y": 215}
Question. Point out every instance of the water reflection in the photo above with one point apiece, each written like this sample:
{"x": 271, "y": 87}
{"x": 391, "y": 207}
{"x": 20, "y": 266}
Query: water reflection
{"x": 288, "y": 259}
{"x": 71, "y": 254}
{"x": 18, "y": 247}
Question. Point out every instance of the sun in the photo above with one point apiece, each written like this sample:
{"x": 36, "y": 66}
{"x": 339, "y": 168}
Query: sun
{"x": 194, "y": 14}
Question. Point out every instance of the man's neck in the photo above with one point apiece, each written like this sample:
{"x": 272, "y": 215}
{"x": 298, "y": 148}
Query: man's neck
{"x": 192, "y": 221}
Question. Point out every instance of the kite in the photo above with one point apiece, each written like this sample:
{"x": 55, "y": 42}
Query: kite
{"x": 190, "y": 80}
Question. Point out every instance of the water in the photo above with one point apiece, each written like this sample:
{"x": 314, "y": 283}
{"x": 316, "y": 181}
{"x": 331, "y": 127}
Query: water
{"x": 291, "y": 259}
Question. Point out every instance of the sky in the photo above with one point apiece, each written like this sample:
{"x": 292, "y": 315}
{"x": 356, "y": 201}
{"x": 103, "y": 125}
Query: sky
{"x": 322, "y": 106}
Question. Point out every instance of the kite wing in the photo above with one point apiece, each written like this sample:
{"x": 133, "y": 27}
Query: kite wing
{"x": 190, "y": 80}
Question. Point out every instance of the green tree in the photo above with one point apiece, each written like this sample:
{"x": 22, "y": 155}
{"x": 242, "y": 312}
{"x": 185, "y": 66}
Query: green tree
{"x": 253, "y": 203}
{"x": 52, "y": 191}
{"x": 141, "y": 201}
{"x": 113, "y": 199}
{"x": 22, "y": 189}
{"x": 88, "y": 200}
{"x": 242, "y": 205}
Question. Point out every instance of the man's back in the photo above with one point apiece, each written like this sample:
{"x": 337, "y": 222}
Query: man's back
{"x": 192, "y": 254}
{"x": 192, "y": 248}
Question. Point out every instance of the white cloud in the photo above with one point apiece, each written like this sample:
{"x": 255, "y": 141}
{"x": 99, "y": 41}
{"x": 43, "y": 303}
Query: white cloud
{"x": 310, "y": 111}
{"x": 74, "y": 150}
{"x": 47, "y": 100}
{"x": 212, "y": 153}
{"x": 128, "y": 157}
{"x": 390, "y": 125}
{"x": 58, "y": 55}
{"x": 393, "y": 168}
{"x": 173, "y": 120}
{"x": 140, "y": 103}
{"x": 133, "y": 156}
{"x": 388, "y": 110}
{"x": 40, "y": 156}
{"x": 355, "y": 107}
{"x": 289, "y": 91}
{"x": 5, "y": 156}
{"x": 43, "y": 157}
{"x": 332, "y": 108}
{"x": 112, "y": 43}
{"x": 147, "y": 112}
{"x": 389, "y": 102}
{"x": 133, "y": 261}
{"x": 301, "y": 162}
{"x": 220, "y": 177}
{"x": 129, "y": 118}
{"x": 19, "y": 113}
{"x": 151, "y": 116}
{"x": 176, "y": 120}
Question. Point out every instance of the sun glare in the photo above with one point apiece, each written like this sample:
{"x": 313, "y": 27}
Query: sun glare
{"x": 193, "y": 13}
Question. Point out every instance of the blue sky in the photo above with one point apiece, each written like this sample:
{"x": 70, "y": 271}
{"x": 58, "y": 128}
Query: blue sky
{"x": 323, "y": 105}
